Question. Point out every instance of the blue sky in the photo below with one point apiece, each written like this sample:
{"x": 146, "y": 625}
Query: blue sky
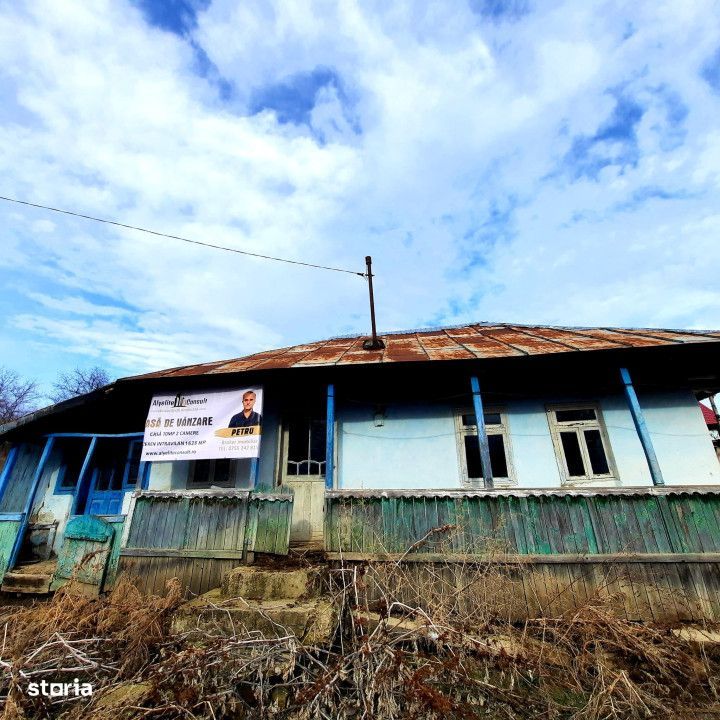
{"x": 519, "y": 161}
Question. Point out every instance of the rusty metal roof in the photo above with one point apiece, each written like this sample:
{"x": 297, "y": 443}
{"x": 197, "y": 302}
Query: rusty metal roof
{"x": 468, "y": 342}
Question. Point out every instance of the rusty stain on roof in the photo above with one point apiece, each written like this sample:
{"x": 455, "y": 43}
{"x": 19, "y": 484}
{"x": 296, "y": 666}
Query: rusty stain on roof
{"x": 468, "y": 342}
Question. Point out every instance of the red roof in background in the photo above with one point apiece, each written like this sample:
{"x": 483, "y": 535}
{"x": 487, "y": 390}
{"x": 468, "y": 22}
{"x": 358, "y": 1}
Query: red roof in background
{"x": 468, "y": 342}
{"x": 708, "y": 415}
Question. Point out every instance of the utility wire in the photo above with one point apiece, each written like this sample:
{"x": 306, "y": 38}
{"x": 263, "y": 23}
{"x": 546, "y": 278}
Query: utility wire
{"x": 177, "y": 237}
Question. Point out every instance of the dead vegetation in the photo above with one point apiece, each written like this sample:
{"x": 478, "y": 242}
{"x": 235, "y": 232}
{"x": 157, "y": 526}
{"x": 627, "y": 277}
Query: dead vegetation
{"x": 446, "y": 646}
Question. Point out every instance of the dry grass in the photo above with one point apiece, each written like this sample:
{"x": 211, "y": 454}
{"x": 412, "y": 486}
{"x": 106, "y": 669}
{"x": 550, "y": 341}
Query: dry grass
{"x": 446, "y": 646}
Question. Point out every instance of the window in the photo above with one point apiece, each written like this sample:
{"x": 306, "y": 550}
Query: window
{"x": 304, "y": 446}
{"x": 219, "y": 473}
{"x": 580, "y": 443}
{"x": 469, "y": 448}
{"x": 72, "y": 452}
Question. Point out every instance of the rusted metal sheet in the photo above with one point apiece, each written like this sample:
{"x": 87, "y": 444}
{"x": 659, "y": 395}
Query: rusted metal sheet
{"x": 440, "y": 346}
{"x": 329, "y": 353}
{"x": 525, "y": 341}
{"x": 579, "y": 340}
{"x": 481, "y": 346}
{"x": 626, "y": 339}
{"x": 467, "y": 342}
{"x": 403, "y": 348}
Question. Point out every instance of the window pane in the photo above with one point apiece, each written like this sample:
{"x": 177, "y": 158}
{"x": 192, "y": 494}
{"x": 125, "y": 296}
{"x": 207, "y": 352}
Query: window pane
{"x": 201, "y": 472}
{"x": 109, "y": 459}
{"x": 306, "y": 446}
{"x": 298, "y": 439}
{"x": 472, "y": 456}
{"x": 573, "y": 458}
{"x": 498, "y": 461}
{"x": 468, "y": 419}
{"x": 73, "y": 451}
{"x": 134, "y": 464}
{"x": 222, "y": 472}
{"x": 596, "y": 451}
{"x": 318, "y": 433}
{"x": 575, "y": 415}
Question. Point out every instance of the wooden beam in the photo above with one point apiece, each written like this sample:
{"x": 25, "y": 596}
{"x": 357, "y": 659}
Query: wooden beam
{"x": 29, "y": 503}
{"x": 641, "y": 427}
{"x": 7, "y": 469}
{"x": 330, "y": 438}
{"x": 83, "y": 471}
{"x": 500, "y": 559}
{"x": 171, "y": 552}
{"x": 481, "y": 432}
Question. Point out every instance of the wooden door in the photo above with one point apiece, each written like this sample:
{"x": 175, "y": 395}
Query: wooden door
{"x": 308, "y": 509}
{"x": 303, "y": 470}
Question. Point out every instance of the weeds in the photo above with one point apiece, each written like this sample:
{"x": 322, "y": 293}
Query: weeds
{"x": 413, "y": 640}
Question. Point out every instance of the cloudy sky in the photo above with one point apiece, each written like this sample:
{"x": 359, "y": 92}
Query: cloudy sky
{"x": 519, "y": 160}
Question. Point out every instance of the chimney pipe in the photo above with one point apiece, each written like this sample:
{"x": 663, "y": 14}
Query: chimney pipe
{"x": 374, "y": 343}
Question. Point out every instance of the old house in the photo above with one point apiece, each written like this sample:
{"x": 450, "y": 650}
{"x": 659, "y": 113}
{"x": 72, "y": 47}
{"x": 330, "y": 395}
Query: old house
{"x": 575, "y": 448}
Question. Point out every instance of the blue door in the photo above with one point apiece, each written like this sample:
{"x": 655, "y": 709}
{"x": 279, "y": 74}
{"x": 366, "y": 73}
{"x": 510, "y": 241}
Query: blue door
{"x": 106, "y": 492}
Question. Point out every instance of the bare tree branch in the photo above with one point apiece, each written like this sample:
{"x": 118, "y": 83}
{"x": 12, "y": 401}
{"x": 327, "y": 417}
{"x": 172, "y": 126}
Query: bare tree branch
{"x": 17, "y": 396}
{"x": 78, "y": 382}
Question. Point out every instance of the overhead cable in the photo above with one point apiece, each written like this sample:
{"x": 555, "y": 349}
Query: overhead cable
{"x": 178, "y": 237}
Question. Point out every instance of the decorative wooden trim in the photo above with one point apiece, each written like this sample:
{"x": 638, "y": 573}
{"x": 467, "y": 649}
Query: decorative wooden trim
{"x": 528, "y": 559}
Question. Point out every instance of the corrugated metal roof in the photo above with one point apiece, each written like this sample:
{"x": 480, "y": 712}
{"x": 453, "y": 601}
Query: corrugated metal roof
{"x": 468, "y": 342}
{"x": 708, "y": 415}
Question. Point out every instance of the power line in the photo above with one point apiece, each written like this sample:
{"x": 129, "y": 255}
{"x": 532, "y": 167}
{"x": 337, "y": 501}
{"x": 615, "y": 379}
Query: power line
{"x": 178, "y": 237}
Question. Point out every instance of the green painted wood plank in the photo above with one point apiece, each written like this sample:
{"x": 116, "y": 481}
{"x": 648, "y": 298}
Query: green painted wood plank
{"x": 114, "y": 556}
{"x": 639, "y": 541}
{"x": 578, "y": 521}
{"x": 250, "y": 527}
{"x": 704, "y": 520}
{"x": 537, "y": 538}
{"x": 652, "y": 524}
{"x": 517, "y": 538}
{"x": 687, "y": 530}
{"x": 8, "y": 532}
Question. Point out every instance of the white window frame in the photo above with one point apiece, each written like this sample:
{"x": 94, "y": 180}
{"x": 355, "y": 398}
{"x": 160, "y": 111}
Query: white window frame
{"x": 578, "y": 426}
{"x": 461, "y": 431}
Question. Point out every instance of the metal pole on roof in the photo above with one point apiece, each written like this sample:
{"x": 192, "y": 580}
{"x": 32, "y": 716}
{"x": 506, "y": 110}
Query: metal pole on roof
{"x": 374, "y": 343}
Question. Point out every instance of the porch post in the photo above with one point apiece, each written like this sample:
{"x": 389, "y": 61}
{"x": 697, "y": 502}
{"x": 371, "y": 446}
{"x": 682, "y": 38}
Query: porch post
{"x": 481, "y": 432}
{"x": 83, "y": 470}
{"x": 330, "y": 438}
{"x": 7, "y": 469}
{"x": 641, "y": 427}
{"x": 29, "y": 503}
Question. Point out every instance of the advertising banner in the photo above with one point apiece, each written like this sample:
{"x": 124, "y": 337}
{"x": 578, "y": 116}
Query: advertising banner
{"x": 204, "y": 425}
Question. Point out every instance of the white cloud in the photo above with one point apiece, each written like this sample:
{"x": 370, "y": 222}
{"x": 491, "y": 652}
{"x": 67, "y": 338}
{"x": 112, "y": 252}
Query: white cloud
{"x": 455, "y": 116}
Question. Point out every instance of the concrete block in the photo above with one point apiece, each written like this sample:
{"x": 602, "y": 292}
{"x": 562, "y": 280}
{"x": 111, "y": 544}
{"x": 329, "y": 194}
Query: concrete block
{"x": 312, "y": 621}
{"x": 253, "y": 583}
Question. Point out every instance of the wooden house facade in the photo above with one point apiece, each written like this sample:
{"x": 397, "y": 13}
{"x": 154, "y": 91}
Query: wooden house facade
{"x": 573, "y": 451}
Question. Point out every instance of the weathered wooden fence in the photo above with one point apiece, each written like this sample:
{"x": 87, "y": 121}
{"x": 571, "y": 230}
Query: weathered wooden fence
{"x": 658, "y": 548}
{"x": 197, "y": 536}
